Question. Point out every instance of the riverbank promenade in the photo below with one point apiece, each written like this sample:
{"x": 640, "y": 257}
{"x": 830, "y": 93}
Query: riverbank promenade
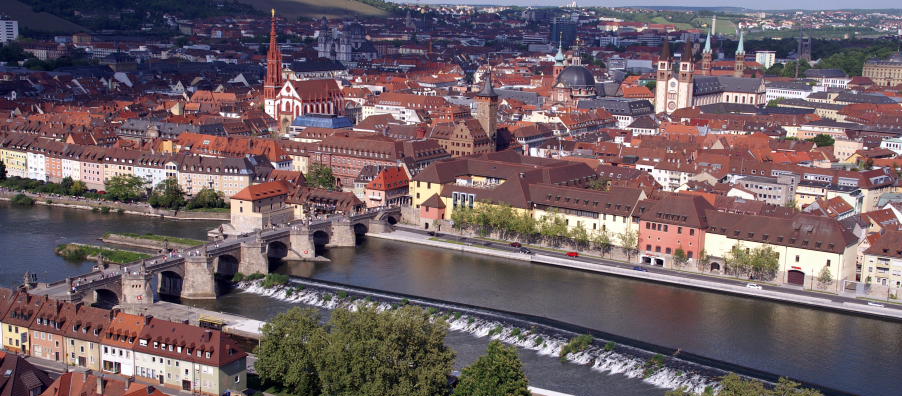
{"x": 647, "y": 273}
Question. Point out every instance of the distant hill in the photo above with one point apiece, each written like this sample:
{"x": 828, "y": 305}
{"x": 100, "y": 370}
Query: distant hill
{"x": 320, "y": 8}
{"x": 38, "y": 21}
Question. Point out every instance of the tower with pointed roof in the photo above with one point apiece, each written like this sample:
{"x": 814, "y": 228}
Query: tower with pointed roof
{"x": 273, "y": 82}
{"x": 707, "y": 56}
{"x": 487, "y": 107}
{"x": 739, "y": 66}
{"x": 559, "y": 59}
{"x": 664, "y": 75}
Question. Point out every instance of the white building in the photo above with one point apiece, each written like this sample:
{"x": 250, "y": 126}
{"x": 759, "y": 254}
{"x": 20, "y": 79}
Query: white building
{"x": 37, "y": 168}
{"x": 894, "y": 144}
{"x": 766, "y": 58}
{"x": 9, "y": 30}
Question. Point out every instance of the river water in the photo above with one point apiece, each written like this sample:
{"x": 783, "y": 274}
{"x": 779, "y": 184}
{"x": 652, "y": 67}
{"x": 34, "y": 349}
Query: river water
{"x": 850, "y": 353}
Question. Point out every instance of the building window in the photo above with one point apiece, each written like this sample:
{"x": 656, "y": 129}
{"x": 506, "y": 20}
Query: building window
{"x": 797, "y": 258}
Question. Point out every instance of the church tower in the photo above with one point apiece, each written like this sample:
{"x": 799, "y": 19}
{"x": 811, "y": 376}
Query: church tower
{"x": 487, "y": 108}
{"x": 662, "y": 81}
{"x": 559, "y": 60}
{"x": 686, "y": 77}
{"x": 273, "y": 82}
{"x": 707, "y": 56}
{"x": 739, "y": 67}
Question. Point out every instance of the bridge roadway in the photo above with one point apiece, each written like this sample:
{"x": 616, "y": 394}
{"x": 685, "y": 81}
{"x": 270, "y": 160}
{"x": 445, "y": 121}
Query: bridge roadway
{"x": 130, "y": 283}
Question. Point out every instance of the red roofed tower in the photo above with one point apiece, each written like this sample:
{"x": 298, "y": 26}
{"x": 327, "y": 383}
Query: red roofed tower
{"x": 273, "y": 83}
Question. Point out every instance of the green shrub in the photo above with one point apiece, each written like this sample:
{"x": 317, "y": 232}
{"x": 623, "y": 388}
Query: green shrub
{"x": 610, "y": 346}
{"x": 95, "y": 209}
{"x": 254, "y": 276}
{"x": 105, "y": 209}
{"x": 516, "y": 332}
{"x": 342, "y": 294}
{"x": 456, "y": 315}
{"x": 538, "y": 341}
{"x": 48, "y": 201}
{"x": 405, "y": 301}
{"x": 653, "y": 365}
{"x": 577, "y": 344}
{"x": 22, "y": 200}
{"x": 327, "y": 297}
{"x": 120, "y": 211}
{"x": 432, "y": 310}
{"x": 497, "y": 330}
{"x": 238, "y": 277}
{"x": 273, "y": 280}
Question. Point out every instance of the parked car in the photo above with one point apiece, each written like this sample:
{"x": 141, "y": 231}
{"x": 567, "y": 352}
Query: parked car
{"x": 516, "y": 244}
{"x": 573, "y": 254}
{"x": 640, "y": 268}
{"x": 873, "y": 304}
{"x": 431, "y": 233}
{"x": 754, "y": 286}
{"x": 525, "y": 250}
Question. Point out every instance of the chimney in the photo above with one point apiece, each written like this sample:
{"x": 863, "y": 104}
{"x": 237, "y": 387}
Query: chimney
{"x": 128, "y": 382}
{"x": 85, "y": 374}
{"x": 147, "y": 319}
{"x": 101, "y": 383}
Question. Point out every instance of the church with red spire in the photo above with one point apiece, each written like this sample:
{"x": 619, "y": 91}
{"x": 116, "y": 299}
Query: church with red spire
{"x": 286, "y": 99}
{"x": 273, "y": 82}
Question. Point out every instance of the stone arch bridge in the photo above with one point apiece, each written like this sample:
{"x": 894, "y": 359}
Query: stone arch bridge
{"x": 192, "y": 273}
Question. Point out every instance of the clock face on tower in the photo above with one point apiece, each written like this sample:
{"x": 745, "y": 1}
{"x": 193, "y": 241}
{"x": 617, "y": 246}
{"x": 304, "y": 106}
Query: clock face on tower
{"x": 671, "y": 105}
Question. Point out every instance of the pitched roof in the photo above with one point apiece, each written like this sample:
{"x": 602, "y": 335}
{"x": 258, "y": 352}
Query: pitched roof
{"x": 262, "y": 191}
{"x": 20, "y": 378}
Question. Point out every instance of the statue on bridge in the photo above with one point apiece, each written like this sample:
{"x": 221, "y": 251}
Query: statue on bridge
{"x": 29, "y": 281}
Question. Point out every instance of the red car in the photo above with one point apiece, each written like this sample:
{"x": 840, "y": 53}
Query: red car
{"x": 516, "y": 244}
{"x": 573, "y": 254}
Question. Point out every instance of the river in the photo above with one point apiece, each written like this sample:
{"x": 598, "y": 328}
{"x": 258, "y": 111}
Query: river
{"x": 846, "y": 352}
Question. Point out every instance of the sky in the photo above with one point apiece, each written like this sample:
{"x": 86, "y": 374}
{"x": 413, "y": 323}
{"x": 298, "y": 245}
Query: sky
{"x": 757, "y": 4}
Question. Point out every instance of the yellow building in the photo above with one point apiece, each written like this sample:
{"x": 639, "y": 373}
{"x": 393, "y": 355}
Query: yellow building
{"x": 18, "y": 319}
{"x": 884, "y": 72}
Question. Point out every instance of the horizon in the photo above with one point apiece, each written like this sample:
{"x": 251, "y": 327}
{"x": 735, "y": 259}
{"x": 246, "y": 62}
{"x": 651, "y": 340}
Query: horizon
{"x": 775, "y": 5}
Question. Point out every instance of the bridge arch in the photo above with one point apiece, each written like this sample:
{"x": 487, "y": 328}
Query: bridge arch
{"x": 321, "y": 238}
{"x": 277, "y": 249}
{"x": 170, "y": 284}
{"x": 360, "y": 229}
{"x": 105, "y": 298}
{"x": 226, "y": 266}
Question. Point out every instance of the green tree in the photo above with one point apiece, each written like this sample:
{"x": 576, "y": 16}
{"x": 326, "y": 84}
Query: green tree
{"x": 629, "y": 242}
{"x": 600, "y": 184}
{"x": 207, "y": 198}
{"x": 825, "y": 278}
{"x": 822, "y": 140}
{"x": 703, "y": 260}
{"x": 124, "y": 188}
{"x": 765, "y": 262}
{"x": 602, "y": 240}
{"x": 321, "y": 176}
{"x": 66, "y": 184}
{"x": 78, "y": 188}
{"x": 2, "y": 170}
{"x": 553, "y": 228}
{"x": 580, "y": 235}
{"x": 168, "y": 194}
{"x": 497, "y": 373}
{"x": 680, "y": 258}
{"x": 397, "y": 352}
{"x": 287, "y": 355}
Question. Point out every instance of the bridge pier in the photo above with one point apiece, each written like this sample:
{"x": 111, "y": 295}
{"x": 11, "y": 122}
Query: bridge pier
{"x": 253, "y": 258}
{"x": 379, "y": 227}
{"x": 342, "y": 234}
{"x": 301, "y": 246}
{"x": 199, "y": 282}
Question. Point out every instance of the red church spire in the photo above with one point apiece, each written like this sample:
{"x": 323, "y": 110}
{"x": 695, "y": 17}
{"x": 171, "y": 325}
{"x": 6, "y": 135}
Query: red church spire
{"x": 273, "y": 82}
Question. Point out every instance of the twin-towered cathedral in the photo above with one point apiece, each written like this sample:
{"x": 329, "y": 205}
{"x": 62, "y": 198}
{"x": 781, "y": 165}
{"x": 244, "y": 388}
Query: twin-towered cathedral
{"x": 679, "y": 84}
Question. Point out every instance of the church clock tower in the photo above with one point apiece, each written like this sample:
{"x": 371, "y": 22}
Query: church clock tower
{"x": 665, "y": 85}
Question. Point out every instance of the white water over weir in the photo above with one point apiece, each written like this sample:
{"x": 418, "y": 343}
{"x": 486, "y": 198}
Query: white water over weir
{"x": 544, "y": 340}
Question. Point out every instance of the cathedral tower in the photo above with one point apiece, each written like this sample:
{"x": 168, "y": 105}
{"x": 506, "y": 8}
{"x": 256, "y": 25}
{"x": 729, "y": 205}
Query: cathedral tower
{"x": 665, "y": 72}
{"x": 273, "y": 82}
